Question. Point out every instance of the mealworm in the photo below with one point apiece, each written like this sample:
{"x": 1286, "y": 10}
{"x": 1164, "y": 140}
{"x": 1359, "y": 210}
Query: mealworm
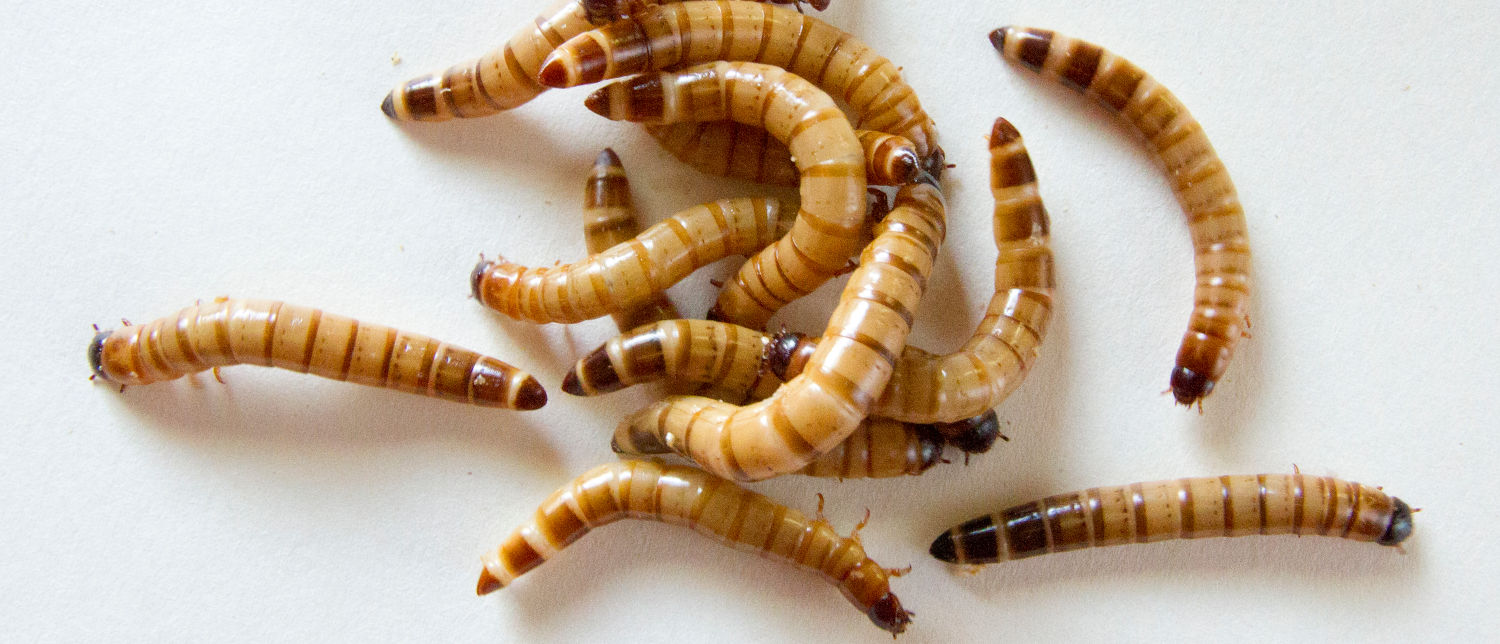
{"x": 300, "y": 338}
{"x": 631, "y": 274}
{"x": 710, "y": 506}
{"x": 925, "y": 388}
{"x": 609, "y": 220}
{"x": 815, "y": 411}
{"x": 829, "y": 224}
{"x": 728, "y": 149}
{"x": 1199, "y": 179}
{"x": 1189, "y": 508}
{"x": 728, "y": 357}
{"x": 506, "y": 77}
{"x": 674, "y": 35}
{"x": 878, "y": 448}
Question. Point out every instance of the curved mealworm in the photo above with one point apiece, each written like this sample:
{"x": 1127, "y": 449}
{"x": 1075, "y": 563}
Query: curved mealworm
{"x": 728, "y": 149}
{"x": 679, "y": 34}
{"x": 609, "y": 220}
{"x": 815, "y": 411}
{"x": 924, "y": 388}
{"x": 829, "y": 158}
{"x": 1199, "y": 179}
{"x": 506, "y": 77}
{"x": 878, "y": 448}
{"x": 710, "y": 506}
{"x": 305, "y": 339}
{"x": 1189, "y": 508}
{"x": 633, "y": 273}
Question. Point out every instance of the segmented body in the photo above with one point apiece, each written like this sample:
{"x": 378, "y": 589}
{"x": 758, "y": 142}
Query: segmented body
{"x": 609, "y": 220}
{"x": 878, "y": 448}
{"x": 709, "y": 506}
{"x": 1189, "y": 508}
{"x": 679, "y": 34}
{"x": 815, "y": 411}
{"x": 1199, "y": 179}
{"x": 632, "y": 274}
{"x": 829, "y": 158}
{"x": 506, "y": 77}
{"x": 727, "y": 149}
{"x": 300, "y": 338}
{"x": 925, "y": 387}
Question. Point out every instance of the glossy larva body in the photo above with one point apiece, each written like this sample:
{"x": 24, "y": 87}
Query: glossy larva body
{"x": 299, "y": 338}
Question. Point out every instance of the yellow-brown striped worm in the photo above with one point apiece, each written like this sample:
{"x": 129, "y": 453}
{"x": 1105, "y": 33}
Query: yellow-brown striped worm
{"x": 878, "y": 448}
{"x": 710, "y": 506}
{"x": 728, "y": 149}
{"x": 674, "y": 35}
{"x": 732, "y": 359}
{"x": 1199, "y": 179}
{"x": 925, "y": 388}
{"x": 305, "y": 339}
{"x": 830, "y": 160}
{"x": 818, "y": 409}
{"x": 506, "y": 77}
{"x": 609, "y": 220}
{"x": 631, "y": 274}
{"x": 1189, "y": 508}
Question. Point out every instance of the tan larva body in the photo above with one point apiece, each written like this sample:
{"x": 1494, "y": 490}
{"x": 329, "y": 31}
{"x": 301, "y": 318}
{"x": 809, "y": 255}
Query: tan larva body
{"x": 829, "y": 158}
{"x": 728, "y": 149}
{"x": 300, "y": 338}
{"x": 1190, "y": 508}
{"x": 609, "y": 220}
{"x": 1199, "y": 179}
{"x": 709, "y": 506}
{"x": 925, "y": 387}
{"x": 878, "y": 448}
{"x": 506, "y": 77}
{"x": 678, "y": 34}
{"x": 818, "y": 409}
{"x": 631, "y": 274}
{"x": 679, "y": 351}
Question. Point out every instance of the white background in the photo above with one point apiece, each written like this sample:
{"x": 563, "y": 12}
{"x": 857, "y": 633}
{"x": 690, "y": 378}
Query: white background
{"x": 155, "y": 153}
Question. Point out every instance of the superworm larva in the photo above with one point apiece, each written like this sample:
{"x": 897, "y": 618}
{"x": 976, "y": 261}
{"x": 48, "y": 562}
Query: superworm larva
{"x": 815, "y": 411}
{"x": 1189, "y": 508}
{"x": 300, "y": 338}
{"x": 609, "y": 220}
{"x": 925, "y": 388}
{"x": 674, "y": 35}
{"x": 631, "y": 274}
{"x": 506, "y": 77}
{"x": 710, "y": 506}
{"x": 728, "y": 149}
{"x": 1215, "y": 218}
{"x": 829, "y": 225}
{"x": 878, "y": 448}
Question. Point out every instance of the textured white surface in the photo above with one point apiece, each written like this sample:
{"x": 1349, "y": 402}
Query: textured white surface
{"x": 158, "y": 153}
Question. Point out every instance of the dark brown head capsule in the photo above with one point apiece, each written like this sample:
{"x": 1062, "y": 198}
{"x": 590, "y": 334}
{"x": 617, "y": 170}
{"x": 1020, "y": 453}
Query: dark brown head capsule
{"x": 1400, "y": 526}
{"x": 96, "y": 354}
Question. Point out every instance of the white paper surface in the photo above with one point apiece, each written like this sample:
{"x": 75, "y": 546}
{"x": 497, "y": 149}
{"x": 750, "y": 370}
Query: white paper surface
{"x": 155, "y": 155}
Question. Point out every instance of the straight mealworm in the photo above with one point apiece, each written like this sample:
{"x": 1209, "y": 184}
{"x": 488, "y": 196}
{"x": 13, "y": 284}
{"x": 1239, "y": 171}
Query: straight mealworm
{"x": 300, "y": 338}
{"x": 631, "y": 274}
{"x": 506, "y": 77}
{"x": 818, "y": 409}
{"x": 675, "y": 35}
{"x": 710, "y": 506}
{"x": 1189, "y": 508}
{"x": 829, "y": 158}
{"x": 609, "y": 220}
{"x": 1200, "y": 181}
{"x": 728, "y": 149}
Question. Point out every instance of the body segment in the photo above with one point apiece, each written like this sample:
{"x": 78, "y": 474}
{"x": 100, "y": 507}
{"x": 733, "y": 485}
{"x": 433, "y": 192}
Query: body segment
{"x": 304, "y": 339}
{"x": 708, "y": 505}
{"x": 609, "y": 220}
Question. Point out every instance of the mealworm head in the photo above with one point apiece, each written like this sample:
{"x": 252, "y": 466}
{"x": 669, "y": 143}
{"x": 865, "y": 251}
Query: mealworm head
{"x": 888, "y": 614}
{"x": 1400, "y": 526}
{"x": 787, "y": 354}
{"x": 477, "y": 277}
{"x": 935, "y": 163}
{"x": 972, "y": 435}
{"x": 96, "y": 354}
{"x": 1188, "y": 386}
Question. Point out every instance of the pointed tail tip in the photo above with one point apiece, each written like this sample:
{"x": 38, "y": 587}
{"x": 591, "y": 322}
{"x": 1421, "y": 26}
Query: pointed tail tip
{"x": 488, "y": 583}
{"x": 997, "y": 38}
{"x": 531, "y": 395}
{"x": 607, "y": 157}
{"x": 598, "y": 102}
{"x": 389, "y": 105}
{"x": 572, "y": 385}
{"x": 554, "y": 73}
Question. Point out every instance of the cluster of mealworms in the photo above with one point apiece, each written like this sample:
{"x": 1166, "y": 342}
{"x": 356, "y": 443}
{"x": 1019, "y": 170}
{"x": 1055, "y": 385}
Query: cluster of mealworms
{"x": 753, "y": 90}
